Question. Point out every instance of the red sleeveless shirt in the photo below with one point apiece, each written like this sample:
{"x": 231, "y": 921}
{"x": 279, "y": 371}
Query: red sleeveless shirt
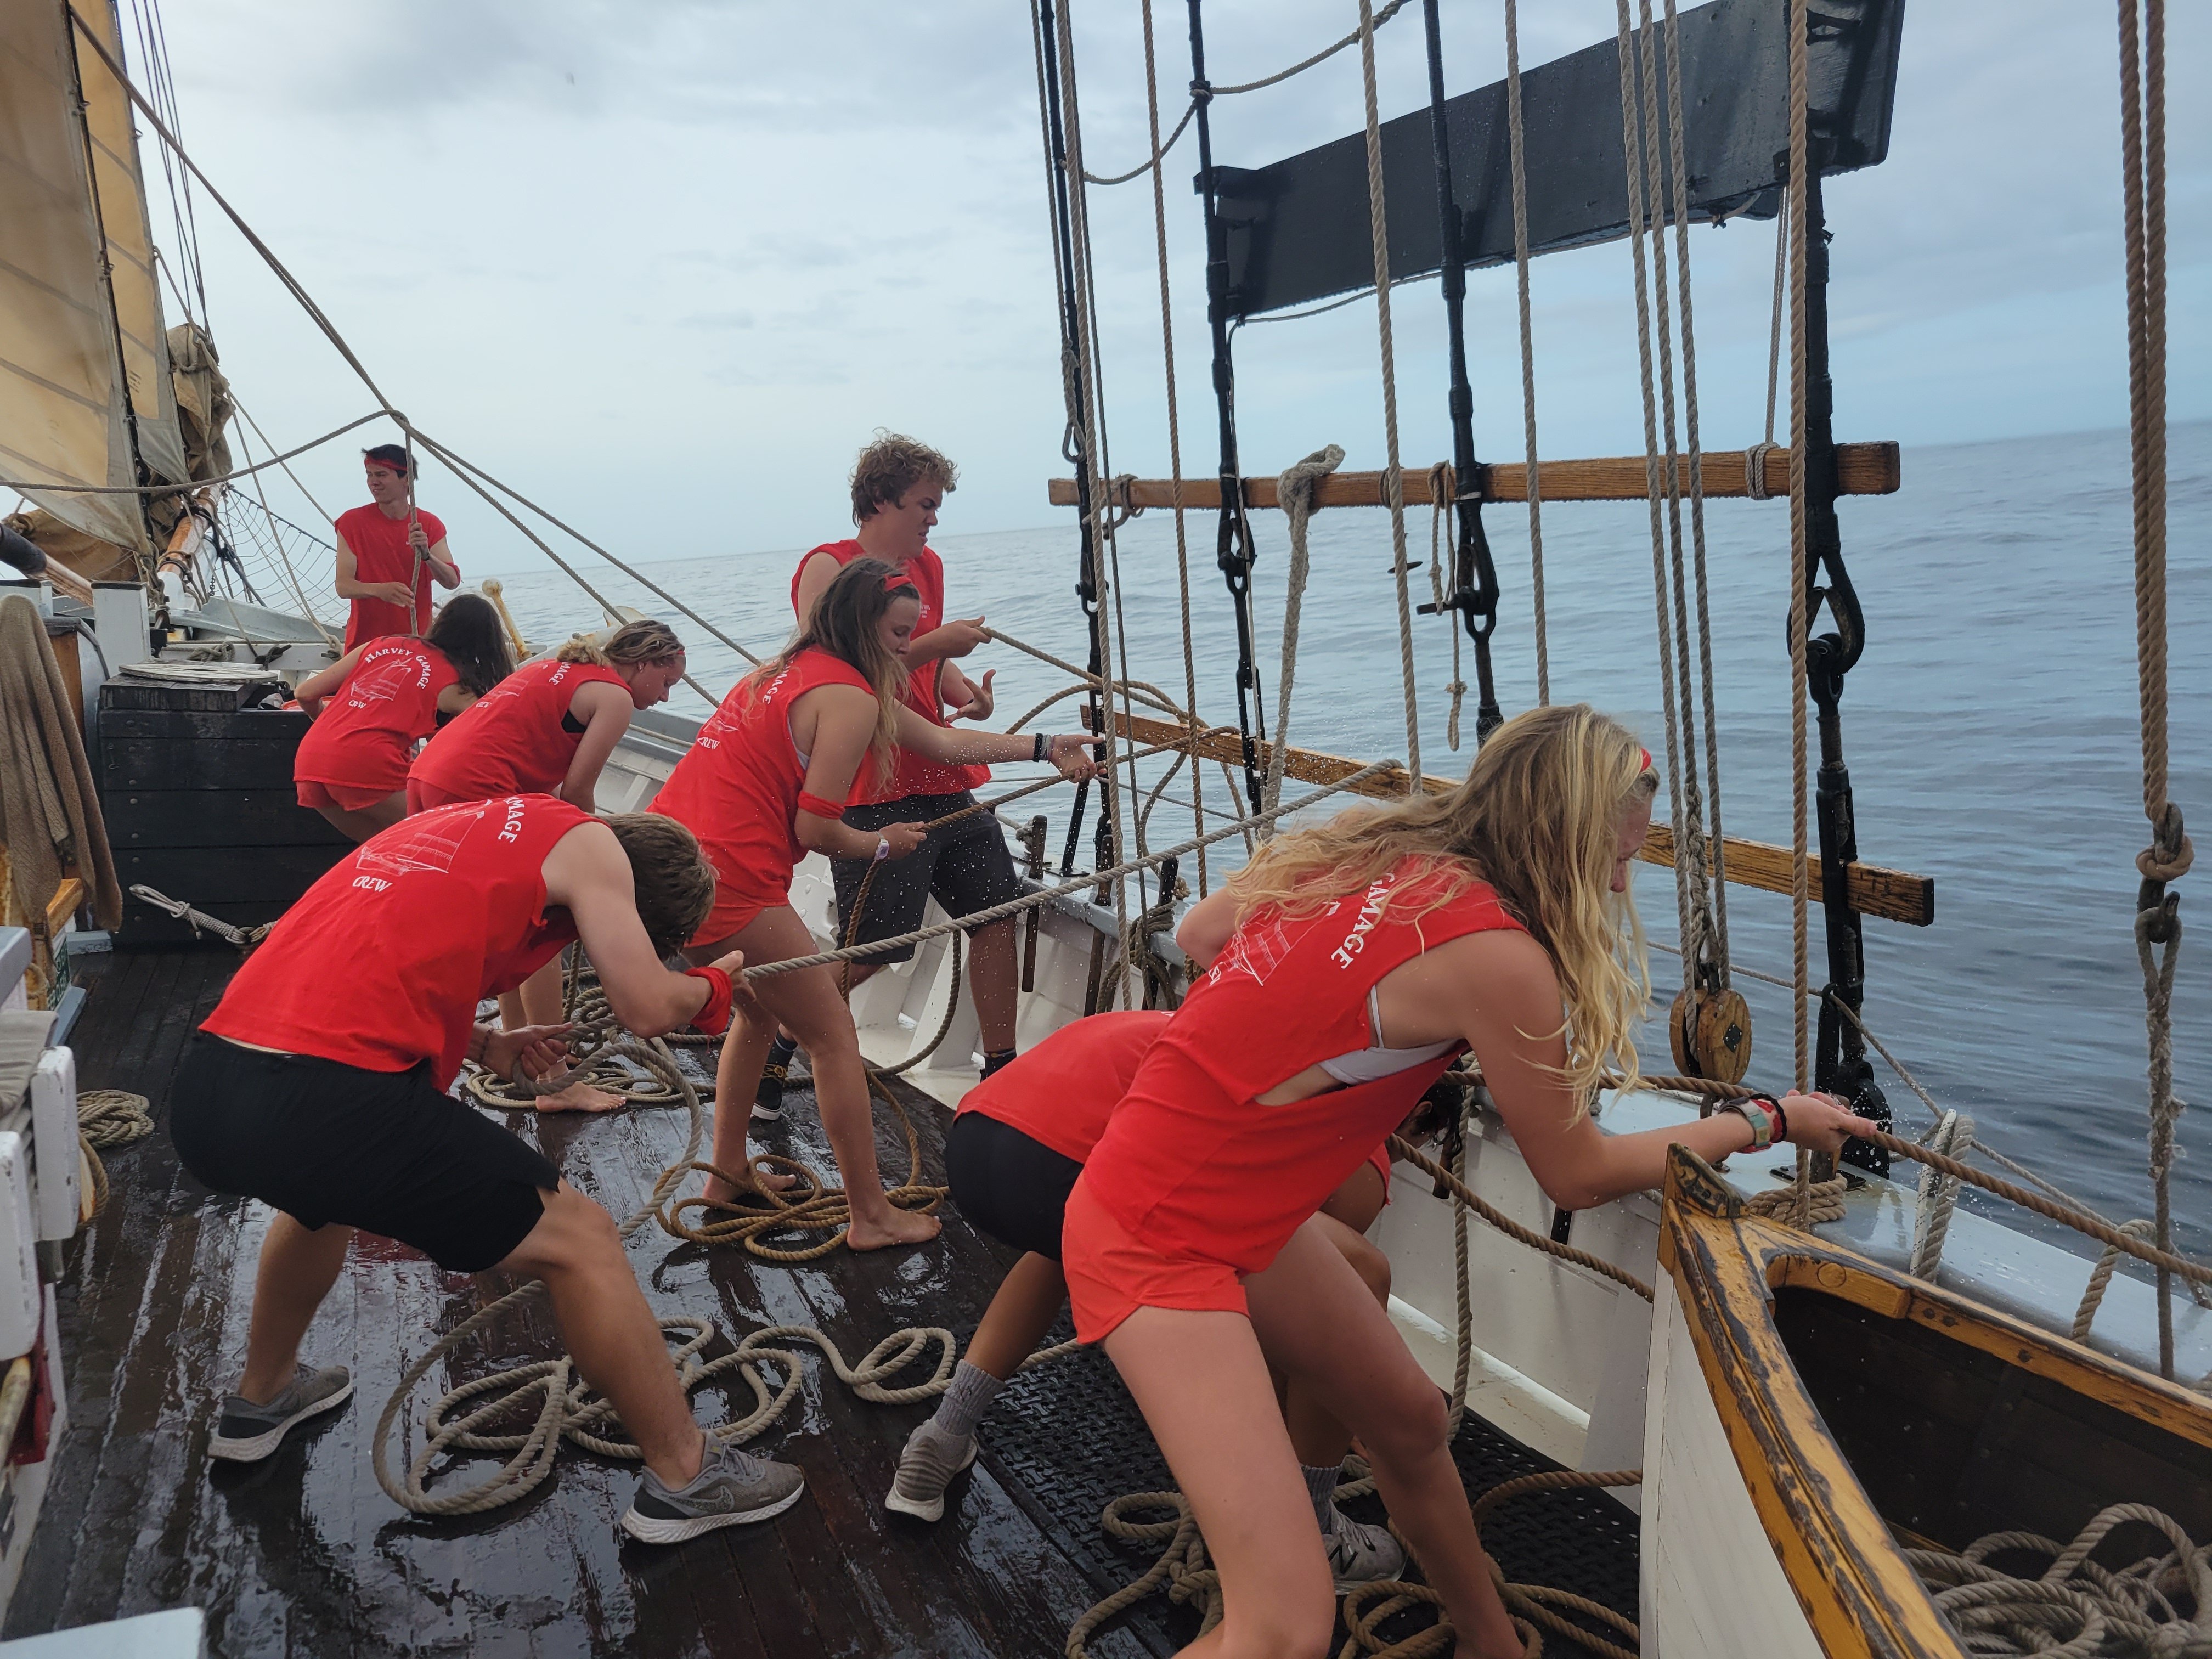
{"x": 737, "y": 787}
{"x": 1060, "y": 1093}
{"x": 381, "y": 963}
{"x": 917, "y": 774}
{"x": 368, "y": 729}
{"x": 512, "y": 740}
{"x": 1189, "y": 1162}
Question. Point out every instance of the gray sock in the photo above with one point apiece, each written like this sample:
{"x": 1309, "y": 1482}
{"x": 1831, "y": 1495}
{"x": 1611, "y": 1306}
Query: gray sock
{"x": 964, "y": 1403}
{"x": 1321, "y": 1486}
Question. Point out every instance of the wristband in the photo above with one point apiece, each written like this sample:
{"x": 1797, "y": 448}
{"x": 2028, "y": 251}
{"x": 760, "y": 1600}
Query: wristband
{"x": 713, "y": 1018}
{"x": 1043, "y": 747}
{"x": 1762, "y": 1113}
{"x": 882, "y": 849}
{"x": 819, "y": 807}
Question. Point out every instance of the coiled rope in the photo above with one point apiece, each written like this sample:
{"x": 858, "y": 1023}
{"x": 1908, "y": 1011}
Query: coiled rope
{"x": 107, "y": 1118}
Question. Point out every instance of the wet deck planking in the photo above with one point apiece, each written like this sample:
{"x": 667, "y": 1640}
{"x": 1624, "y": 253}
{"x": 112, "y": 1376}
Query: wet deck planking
{"x": 305, "y": 1555}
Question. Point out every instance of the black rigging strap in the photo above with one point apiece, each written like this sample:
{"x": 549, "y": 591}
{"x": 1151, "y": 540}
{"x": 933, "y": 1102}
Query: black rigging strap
{"x": 1841, "y": 1066}
{"x": 1233, "y": 549}
{"x": 1475, "y": 577}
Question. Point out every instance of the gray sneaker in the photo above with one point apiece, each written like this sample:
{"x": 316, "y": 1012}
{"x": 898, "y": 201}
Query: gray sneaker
{"x": 732, "y": 1487}
{"x": 926, "y": 1467}
{"x": 1361, "y": 1554}
{"x": 247, "y": 1433}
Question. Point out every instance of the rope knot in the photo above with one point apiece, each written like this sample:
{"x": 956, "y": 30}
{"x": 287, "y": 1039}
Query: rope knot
{"x": 1755, "y": 469}
{"x": 2171, "y": 853}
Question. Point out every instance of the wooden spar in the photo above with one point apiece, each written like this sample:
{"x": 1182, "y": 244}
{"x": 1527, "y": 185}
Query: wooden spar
{"x": 188, "y": 537}
{"x": 1875, "y": 891}
{"x": 1866, "y": 469}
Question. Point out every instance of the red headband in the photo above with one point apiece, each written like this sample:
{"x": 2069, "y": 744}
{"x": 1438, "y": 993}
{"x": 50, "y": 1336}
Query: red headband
{"x": 897, "y": 580}
{"x": 1643, "y": 761}
{"x": 398, "y": 469}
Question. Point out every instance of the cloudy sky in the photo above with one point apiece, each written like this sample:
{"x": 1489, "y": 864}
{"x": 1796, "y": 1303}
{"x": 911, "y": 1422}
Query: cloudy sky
{"x": 666, "y": 267}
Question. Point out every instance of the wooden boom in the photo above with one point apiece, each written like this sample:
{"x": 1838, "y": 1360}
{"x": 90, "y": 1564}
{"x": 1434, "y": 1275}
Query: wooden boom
{"x": 1875, "y": 891}
{"x": 1867, "y": 469}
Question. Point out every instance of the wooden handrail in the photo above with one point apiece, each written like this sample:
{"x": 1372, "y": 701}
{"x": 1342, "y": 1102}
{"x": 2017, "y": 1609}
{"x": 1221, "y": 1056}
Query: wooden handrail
{"x": 1862, "y": 469}
{"x": 1875, "y": 891}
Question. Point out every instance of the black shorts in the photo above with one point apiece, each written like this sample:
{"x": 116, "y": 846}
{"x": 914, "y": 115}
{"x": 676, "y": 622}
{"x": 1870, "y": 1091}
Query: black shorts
{"x": 965, "y": 865}
{"x": 1013, "y": 1187}
{"x": 384, "y": 1152}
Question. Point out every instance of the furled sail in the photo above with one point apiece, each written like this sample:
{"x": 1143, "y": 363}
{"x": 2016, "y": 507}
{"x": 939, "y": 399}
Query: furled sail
{"x": 84, "y": 355}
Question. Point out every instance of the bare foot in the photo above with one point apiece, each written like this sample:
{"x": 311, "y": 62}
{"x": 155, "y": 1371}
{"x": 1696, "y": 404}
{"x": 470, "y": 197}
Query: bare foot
{"x": 896, "y": 1226}
{"x": 580, "y": 1098}
{"x": 719, "y": 1191}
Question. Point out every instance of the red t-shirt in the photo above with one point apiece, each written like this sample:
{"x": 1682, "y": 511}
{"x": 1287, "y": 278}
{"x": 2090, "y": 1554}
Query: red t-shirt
{"x": 381, "y": 554}
{"x": 1189, "y": 1162}
{"x": 737, "y": 787}
{"x": 514, "y": 739}
{"x": 369, "y": 728}
{"x": 1060, "y": 1093}
{"x": 382, "y": 962}
{"x": 917, "y": 774}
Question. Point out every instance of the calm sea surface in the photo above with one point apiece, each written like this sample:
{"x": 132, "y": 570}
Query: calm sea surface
{"x": 1990, "y": 730}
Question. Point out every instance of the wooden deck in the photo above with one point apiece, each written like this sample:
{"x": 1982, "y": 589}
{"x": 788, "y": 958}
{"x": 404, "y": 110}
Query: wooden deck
{"x": 305, "y": 1555}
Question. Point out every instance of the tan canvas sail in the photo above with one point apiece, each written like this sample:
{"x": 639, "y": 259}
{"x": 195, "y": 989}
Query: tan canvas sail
{"x": 119, "y": 189}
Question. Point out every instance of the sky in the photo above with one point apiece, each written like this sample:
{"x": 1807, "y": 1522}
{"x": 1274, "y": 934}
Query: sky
{"x": 666, "y": 268}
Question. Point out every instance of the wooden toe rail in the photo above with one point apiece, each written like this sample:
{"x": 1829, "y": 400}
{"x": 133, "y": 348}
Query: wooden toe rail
{"x": 1875, "y": 891}
{"x": 1865, "y": 469}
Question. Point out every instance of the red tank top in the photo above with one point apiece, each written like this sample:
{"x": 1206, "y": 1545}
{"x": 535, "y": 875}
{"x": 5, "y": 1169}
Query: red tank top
{"x": 737, "y": 787}
{"x": 1060, "y": 1093}
{"x": 381, "y": 554}
{"x": 1189, "y": 1161}
{"x": 382, "y": 961}
{"x": 368, "y": 729}
{"x": 513, "y": 739}
{"x": 917, "y": 774}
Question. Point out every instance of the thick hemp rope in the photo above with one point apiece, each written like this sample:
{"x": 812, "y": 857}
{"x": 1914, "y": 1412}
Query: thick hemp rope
{"x": 107, "y": 1118}
{"x": 1527, "y": 352}
{"x": 494, "y": 1413}
{"x": 1296, "y": 489}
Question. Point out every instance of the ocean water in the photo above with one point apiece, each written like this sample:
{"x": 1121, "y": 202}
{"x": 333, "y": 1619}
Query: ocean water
{"x": 1990, "y": 729}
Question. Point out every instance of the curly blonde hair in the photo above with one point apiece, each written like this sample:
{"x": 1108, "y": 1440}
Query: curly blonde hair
{"x": 642, "y": 640}
{"x": 890, "y": 467}
{"x": 1537, "y": 818}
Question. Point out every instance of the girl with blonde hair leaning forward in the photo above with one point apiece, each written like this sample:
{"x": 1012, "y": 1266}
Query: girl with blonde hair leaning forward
{"x": 764, "y": 784}
{"x": 1495, "y": 918}
{"x": 548, "y": 728}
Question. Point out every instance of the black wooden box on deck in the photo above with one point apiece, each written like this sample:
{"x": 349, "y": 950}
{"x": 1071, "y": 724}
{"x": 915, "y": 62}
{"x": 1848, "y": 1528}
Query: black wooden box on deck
{"x": 196, "y": 789}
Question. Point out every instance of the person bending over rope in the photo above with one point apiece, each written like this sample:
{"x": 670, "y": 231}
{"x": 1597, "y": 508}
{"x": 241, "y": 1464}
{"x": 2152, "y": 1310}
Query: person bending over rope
{"x": 389, "y": 553}
{"x": 318, "y": 1087}
{"x": 373, "y": 704}
{"x": 1347, "y": 963}
{"x": 1014, "y": 1151}
{"x": 550, "y": 725}
{"x": 897, "y": 486}
{"x": 766, "y": 782}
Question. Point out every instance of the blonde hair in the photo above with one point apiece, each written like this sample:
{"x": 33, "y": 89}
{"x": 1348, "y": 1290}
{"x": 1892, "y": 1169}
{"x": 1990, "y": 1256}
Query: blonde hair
{"x": 843, "y": 622}
{"x": 1538, "y": 819}
{"x": 644, "y": 640}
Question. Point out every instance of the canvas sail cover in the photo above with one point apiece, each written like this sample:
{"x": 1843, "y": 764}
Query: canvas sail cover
{"x": 68, "y": 372}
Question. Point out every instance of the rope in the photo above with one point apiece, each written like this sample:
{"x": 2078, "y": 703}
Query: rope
{"x": 63, "y": 487}
{"x": 1295, "y": 488}
{"x": 1444, "y": 496}
{"x": 1446, "y": 1181}
{"x": 1801, "y": 615}
{"x": 108, "y": 1118}
{"x": 1175, "y": 429}
{"x": 2168, "y": 857}
{"x": 1029, "y": 901}
{"x": 1527, "y": 356}
{"x": 2076, "y": 1607}
{"x": 1939, "y": 1198}
{"x": 1159, "y": 150}
{"x": 487, "y": 1414}
{"x": 1394, "y": 491}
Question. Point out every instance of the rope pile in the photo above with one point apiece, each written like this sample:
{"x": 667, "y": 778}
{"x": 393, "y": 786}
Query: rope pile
{"x": 2076, "y": 1608}
{"x": 107, "y": 1119}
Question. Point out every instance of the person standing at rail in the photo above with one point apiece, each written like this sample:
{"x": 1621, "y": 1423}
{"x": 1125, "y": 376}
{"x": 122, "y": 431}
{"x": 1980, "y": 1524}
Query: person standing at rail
{"x": 390, "y": 552}
{"x": 318, "y": 1087}
{"x": 375, "y": 703}
{"x": 765, "y": 783}
{"x": 549, "y": 726}
{"x": 1496, "y": 917}
{"x": 897, "y": 487}
{"x": 1013, "y": 1153}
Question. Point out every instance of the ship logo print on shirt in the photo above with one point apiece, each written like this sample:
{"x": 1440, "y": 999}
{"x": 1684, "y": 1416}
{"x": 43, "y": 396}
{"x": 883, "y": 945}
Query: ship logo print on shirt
{"x": 1255, "y": 952}
{"x": 386, "y": 680}
{"x": 429, "y": 840}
